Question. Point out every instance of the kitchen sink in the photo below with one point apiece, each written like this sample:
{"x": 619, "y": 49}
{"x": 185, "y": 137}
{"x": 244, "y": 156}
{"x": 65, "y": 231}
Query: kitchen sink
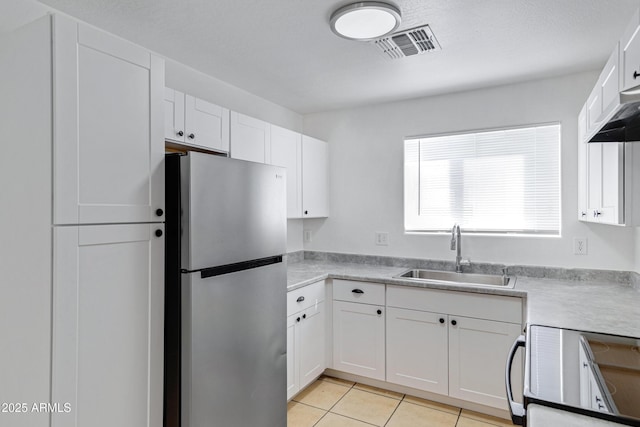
{"x": 450, "y": 277}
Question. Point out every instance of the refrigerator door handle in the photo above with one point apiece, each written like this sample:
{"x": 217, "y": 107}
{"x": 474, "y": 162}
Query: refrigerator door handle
{"x": 239, "y": 266}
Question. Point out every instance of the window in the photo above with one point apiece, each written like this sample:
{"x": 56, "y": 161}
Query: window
{"x": 497, "y": 181}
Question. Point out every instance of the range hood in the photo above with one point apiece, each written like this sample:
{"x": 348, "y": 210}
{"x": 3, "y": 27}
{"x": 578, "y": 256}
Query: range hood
{"x": 623, "y": 124}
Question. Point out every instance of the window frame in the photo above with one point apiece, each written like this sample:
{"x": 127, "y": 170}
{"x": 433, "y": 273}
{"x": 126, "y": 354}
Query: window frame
{"x": 489, "y": 233}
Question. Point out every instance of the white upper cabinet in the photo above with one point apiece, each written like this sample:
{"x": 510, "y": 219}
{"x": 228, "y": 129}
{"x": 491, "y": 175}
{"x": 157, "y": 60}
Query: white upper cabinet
{"x": 630, "y": 54}
{"x": 582, "y": 164}
{"x": 605, "y": 183}
{"x": 250, "y": 138}
{"x": 286, "y": 151}
{"x": 173, "y": 115}
{"x": 604, "y": 96}
{"x": 195, "y": 122}
{"x": 108, "y": 139}
{"x": 609, "y": 84}
{"x": 315, "y": 200}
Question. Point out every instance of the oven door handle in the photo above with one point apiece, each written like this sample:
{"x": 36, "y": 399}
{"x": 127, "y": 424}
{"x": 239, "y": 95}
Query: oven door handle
{"x": 516, "y": 409}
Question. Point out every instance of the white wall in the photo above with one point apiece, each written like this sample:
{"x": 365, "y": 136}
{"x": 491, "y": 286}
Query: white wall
{"x": 366, "y": 175}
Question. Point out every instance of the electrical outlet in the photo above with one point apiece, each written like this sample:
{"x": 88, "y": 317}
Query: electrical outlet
{"x": 580, "y": 245}
{"x": 307, "y": 236}
{"x": 382, "y": 238}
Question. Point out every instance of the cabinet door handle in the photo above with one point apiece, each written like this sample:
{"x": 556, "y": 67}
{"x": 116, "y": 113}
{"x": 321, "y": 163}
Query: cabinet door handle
{"x": 379, "y": 312}
{"x": 304, "y": 316}
{"x": 306, "y": 212}
{"x": 298, "y": 319}
{"x": 300, "y": 299}
{"x": 596, "y": 213}
{"x": 635, "y": 75}
{"x": 192, "y": 136}
{"x": 441, "y": 320}
{"x": 159, "y": 212}
{"x": 454, "y": 323}
{"x": 180, "y": 133}
{"x": 357, "y": 291}
{"x": 583, "y": 214}
{"x": 158, "y": 233}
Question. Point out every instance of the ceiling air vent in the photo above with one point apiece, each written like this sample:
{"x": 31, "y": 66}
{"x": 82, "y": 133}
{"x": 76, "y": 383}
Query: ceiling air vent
{"x": 415, "y": 41}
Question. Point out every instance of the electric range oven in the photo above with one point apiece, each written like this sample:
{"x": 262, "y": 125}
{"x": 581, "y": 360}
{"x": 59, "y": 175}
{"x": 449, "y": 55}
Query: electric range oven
{"x": 587, "y": 373}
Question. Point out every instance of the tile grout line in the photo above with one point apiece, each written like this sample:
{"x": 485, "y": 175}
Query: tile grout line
{"x": 395, "y": 409}
{"x": 328, "y": 410}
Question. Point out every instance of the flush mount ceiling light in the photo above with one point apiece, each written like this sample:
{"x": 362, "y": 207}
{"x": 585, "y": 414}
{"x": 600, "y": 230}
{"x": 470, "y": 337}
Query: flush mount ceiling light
{"x": 367, "y": 20}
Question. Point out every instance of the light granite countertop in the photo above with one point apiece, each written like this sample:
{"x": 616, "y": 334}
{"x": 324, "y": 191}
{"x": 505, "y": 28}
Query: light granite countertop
{"x": 590, "y": 305}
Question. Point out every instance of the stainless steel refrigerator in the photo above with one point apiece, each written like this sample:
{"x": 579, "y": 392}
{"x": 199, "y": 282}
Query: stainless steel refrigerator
{"x": 225, "y": 314}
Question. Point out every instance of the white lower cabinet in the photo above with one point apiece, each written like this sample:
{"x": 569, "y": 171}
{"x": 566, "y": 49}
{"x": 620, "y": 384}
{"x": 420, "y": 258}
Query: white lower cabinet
{"x": 478, "y": 352}
{"x": 359, "y": 328}
{"x": 305, "y": 337}
{"x": 417, "y": 349}
{"x": 446, "y": 354}
{"x": 108, "y": 302}
{"x": 452, "y": 343}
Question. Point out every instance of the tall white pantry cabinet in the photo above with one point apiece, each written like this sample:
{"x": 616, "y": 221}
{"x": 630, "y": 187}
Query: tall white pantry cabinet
{"x": 81, "y": 300}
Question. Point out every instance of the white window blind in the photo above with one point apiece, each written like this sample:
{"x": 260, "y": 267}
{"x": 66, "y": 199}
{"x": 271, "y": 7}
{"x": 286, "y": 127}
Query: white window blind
{"x": 498, "y": 181}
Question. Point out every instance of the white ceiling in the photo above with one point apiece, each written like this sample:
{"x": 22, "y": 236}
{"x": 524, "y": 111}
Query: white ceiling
{"x": 284, "y": 51}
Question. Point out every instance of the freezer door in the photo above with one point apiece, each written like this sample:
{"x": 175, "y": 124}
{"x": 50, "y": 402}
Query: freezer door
{"x": 233, "y": 211}
{"x": 234, "y": 349}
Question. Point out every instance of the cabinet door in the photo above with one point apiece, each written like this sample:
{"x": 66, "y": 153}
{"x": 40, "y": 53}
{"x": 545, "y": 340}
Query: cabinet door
{"x": 315, "y": 201}
{"x": 417, "y": 350}
{"x": 311, "y": 349}
{"x": 108, "y": 132}
{"x": 605, "y": 182}
{"x": 582, "y": 165}
{"x": 630, "y": 53}
{"x": 594, "y": 109}
{"x": 206, "y": 124}
{"x": 173, "y": 115}
{"x": 286, "y": 151}
{"x": 250, "y": 138}
{"x": 108, "y": 299}
{"x": 478, "y": 352}
{"x": 293, "y": 357}
{"x": 358, "y": 339}
{"x": 612, "y": 206}
{"x": 594, "y": 181}
{"x": 609, "y": 84}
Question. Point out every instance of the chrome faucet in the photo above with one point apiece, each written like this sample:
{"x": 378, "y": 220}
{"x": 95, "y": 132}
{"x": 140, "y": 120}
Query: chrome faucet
{"x": 456, "y": 245}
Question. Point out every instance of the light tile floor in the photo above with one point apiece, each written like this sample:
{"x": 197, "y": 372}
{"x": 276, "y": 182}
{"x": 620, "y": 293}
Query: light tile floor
{"x": 332, "y": 402}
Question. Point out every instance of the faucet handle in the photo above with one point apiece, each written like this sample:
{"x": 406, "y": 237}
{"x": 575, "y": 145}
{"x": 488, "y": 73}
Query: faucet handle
{"x": 505, "y": 271}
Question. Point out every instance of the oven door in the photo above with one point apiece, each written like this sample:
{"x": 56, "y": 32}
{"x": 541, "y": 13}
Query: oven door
{"x": 592, "y": 374}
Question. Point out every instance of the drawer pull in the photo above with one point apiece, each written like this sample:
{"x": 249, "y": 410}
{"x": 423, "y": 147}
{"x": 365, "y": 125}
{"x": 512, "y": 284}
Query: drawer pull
{"x": 300, "y": 299}
{"x": 357, "y": 291}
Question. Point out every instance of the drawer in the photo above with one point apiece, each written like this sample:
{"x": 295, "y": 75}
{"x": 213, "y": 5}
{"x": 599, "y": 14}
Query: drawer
{"x": 469, "y": 304}
{"x": 362, "y": 292}
{"x": 305, "y": 297}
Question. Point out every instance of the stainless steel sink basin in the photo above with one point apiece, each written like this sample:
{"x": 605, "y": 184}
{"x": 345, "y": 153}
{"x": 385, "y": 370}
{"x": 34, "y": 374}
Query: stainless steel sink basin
{"x": 451, "y": 277}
